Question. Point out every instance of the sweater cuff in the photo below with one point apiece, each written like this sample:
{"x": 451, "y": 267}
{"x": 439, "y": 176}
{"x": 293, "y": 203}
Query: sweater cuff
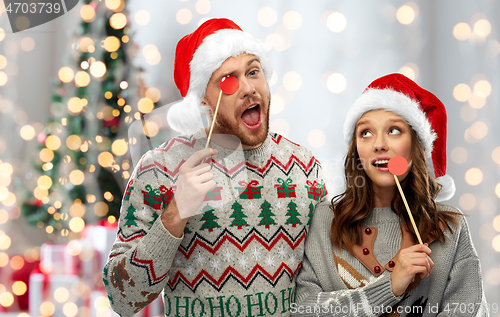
{"x": 160, "y": 243}
{"x": 379, "y": 292}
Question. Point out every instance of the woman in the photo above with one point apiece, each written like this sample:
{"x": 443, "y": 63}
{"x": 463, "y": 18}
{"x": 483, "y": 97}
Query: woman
{"x": 362, "y": 256}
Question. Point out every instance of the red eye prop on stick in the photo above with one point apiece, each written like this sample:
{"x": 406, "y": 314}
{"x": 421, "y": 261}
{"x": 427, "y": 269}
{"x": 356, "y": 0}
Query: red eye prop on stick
{"x": 398, "y": 166}
{"x": 228, "y": 85}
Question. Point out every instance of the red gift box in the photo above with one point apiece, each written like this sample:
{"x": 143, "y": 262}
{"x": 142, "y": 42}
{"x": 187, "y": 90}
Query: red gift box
{"x": 316, "y": 191}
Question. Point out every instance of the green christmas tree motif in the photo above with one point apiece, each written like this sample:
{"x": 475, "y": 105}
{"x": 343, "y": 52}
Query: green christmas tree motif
{"x": 155, "y": 216}
{"x": 238, "y": 216}
{"x": 311, "y": 210}
{"x": 130, "y": 216}
{"x": 266, "y": 215}
{"x": 186, "y": 229}
{"x": 209, "y": 219}
{"x": 293, "y": 213}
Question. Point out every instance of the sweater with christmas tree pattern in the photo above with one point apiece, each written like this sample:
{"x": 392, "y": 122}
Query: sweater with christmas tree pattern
{"x": 240, "y": 255}
{"x": 334, "y": 282}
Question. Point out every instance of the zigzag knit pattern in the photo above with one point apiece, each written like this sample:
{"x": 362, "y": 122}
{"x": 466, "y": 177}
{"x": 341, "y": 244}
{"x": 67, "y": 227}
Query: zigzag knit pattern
{"x": 239, "y": 255}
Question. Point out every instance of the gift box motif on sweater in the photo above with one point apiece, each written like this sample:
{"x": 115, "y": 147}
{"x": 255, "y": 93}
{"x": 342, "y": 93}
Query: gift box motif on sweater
{"x": 249, "y": 190}
{"x": 167, "y": 194}
{"x": 214, "y": 194}
{"x": 285, "y": 189}
{"x": 316, "y": 191}
{"x": 152, "y": 197}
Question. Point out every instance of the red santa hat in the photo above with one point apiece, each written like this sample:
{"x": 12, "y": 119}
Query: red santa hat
{"x": 197, "y": 56}
{"x": 423, "y": 111}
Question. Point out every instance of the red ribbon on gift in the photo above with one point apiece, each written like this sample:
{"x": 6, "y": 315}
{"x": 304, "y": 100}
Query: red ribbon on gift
{"x": 312, "y": 185}
{"x": 253, "y": 184}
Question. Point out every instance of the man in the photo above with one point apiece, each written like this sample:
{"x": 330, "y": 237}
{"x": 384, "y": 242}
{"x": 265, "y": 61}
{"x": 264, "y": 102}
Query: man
{"x": 237, "y": 258}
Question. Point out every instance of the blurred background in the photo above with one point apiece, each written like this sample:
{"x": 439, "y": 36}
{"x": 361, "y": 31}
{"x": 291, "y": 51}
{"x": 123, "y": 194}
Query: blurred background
{"x": 71, "y": 88}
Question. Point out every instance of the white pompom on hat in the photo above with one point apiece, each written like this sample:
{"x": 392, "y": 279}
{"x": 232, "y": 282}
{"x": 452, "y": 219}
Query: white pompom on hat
{"x": 423, "y": 111}
{"x": 197, "y": 56}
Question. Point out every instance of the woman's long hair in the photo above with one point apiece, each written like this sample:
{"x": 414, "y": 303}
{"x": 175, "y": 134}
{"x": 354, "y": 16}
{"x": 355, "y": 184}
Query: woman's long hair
{"x": 419, "y": 187}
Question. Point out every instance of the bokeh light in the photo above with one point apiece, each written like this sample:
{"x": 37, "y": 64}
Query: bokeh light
{"x": 142, "y": 17}
{"x": 118, "y": 21}
{"x": 47, "y": 309}
{"x": 98, "y": 69}
{"x": 53, "y": 142}
{"x": 154, "y": 94}
{"x": 482, "y": 88}
{"x": 461, "y": 92}
{"x": 495, "y": 155}
{"x": 76, "y": 177}
{"x": 27, "y": 44}
{"x": 19, "y": 288}
{"x": 474, "y": 176}
{"x": 267, "y": 16}
{"x": 87, "y": 13}
{"x": 119, "y": 147}
{"x": 82, "y": 79}
{"x": 292, "y": 20}
{"x": 203, "y": 6}
{"x": 405, "y": 14}
{"x": 44, "y": 182}
{"x": 145, "y": 105}
{"x": 76, "y": 224}
{"x": 496, "y": 223}
{"x": 316, "y": 138}
{"x": 336, "y": 22}
{"x": 27, "y": 132}
{"x": 66, "y": 74}
{"x": 467, "y": 201}
{"x": 292, "y": 81}
{"x": 184, "y": 16}
{"x": 459, "y": 155}
{"x": 61, "y": 294}
{"x": 479, "y": 130}
{"x": 277, "y": 104}
{"x": 280, "y": 126}
{"x": 70, "y": 309}
{"x": 105, "y": 159}
{"x": 336, "y": 83}
{"x": 6, "y": 299}
{"x": 496, "y": 243}
{"x": 101, "y": 209}
{"x": 111, "y": 44}
{"x": 482, "y": 28}
{"x": 462, "y": 31}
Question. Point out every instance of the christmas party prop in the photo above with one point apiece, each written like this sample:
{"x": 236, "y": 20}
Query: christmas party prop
{"x": 398, "y": 166}
{"x": 228, "y": 85}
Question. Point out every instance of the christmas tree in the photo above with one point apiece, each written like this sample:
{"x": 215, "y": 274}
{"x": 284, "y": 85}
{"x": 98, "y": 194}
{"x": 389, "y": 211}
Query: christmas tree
{"x": 293, "y": 213}
{"x": 238, "y": 216}
{"x": 155, "y": 216}
{"x": 209, "y": 219}
{"x": 311, "y": 210}
{"x": 186, "y": 229}
{"x": 83, "y": 149}
{"x": 266, "y": 215}
{"x": 130, "y": 216}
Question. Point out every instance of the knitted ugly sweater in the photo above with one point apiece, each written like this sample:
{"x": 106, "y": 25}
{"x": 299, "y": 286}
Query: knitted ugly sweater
{"x": 333, "y": 282}
{"x": 240, "y": 256}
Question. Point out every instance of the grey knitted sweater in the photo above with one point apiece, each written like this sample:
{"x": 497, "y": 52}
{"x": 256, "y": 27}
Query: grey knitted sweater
{"x": 333, "y": 282}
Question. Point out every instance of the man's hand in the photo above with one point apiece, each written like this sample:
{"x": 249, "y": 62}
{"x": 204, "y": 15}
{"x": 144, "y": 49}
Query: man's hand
{"x": 193, "y": 183}
{"x": 410, "y": 261}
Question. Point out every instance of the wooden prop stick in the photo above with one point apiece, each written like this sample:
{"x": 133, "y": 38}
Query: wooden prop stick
{"x": 213, "y": 119}
{"x": 398, "y": 166}
{"x": 408, "y": 210}
{"x": 228, "y": 85}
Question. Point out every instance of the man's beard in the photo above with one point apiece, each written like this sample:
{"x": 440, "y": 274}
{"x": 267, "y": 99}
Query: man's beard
{"x": 249, "y": 139}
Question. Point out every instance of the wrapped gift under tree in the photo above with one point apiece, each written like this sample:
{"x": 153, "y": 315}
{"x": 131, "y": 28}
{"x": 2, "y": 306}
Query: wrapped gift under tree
{"x": 285, "y": 188}
{"x": 249, "y": 190}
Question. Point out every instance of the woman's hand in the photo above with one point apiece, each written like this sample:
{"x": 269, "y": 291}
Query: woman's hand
{"x": 409, "y": 262}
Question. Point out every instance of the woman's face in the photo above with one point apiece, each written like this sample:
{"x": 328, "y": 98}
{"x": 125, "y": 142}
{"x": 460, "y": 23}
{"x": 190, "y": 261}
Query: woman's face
{"x": 381, "y": 135}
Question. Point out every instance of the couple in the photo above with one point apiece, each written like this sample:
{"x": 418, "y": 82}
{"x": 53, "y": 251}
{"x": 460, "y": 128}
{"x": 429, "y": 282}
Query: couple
{"x": 249, "y": 256}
